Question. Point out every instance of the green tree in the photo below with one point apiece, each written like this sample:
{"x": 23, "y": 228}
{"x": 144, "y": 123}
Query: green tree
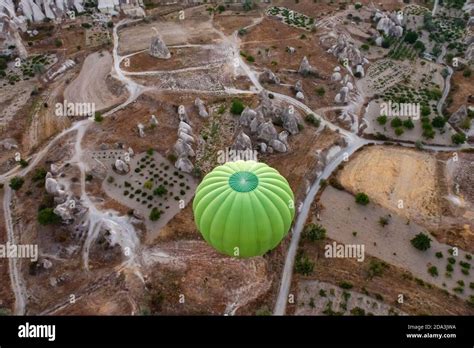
{"x": 421, "y": 242}
{"x": 382, "y": 120}
{"x": 420, "y": 46}
{"x": 39, "y": 174}
{"x": 362, "y": 198}
{"x": 16, "y": 183}
{"x": 160, "y": 191}
{"x": 408, "y": 124}
{"x": 47, "y": 216}
{"x": 458, "y": 138}
{"x": 438, "y": 122}
{"x": 411, "y": 37}
{"x": 155, "y": 214}
{"x": 314, "y": 232}
{"x": 396, "y": 122}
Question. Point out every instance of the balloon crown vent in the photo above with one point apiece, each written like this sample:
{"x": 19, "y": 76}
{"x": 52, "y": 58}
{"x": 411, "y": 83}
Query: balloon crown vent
{"x": 243, "y": 181}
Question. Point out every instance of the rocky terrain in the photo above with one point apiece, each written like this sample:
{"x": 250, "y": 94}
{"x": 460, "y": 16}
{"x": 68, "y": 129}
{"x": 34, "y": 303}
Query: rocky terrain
{"x": 113, "y": 114}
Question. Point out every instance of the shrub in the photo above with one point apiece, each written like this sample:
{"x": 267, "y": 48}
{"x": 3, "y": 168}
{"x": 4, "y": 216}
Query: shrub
{"x": 386, "y": 43}
{"x": 320, "y": 91}
{"x": 98, "y": 117}
{"x": 149, "y": 152}
{"x": 160, "y": 191}
{"x": 399, "y": 131}
{"x": 39, "y": 174}
{"x": 383, "y": 221}
{"x": 420, "y": 46}
{"x": 411, "y": 37}
{"x": 408, "y": 124}
{"x": 47, "y": 216}
{"x": 148, "y": 184}
{"x": 155, "y": 214}
{"x": 242, "y": 32}
{"x": 425, "y": 110}
{"x": 16, "y": 183}
{"x": 345, "y": 285}
{"x": 304, "y": 265}
{"x": 172, "y": 157}
{"x": 465, "y": 265}
{"x": 396, "y": 122}
{"x": 311, "y": 119}
{"x": 382, "y": 120}
{"x": 314, "y": 232}
{"x": 449, "y": 267}
{"x": 264, "y": 311}
{"x": 438, "y": 122}
{"x": 433, "y": 271}
{"x": 362, "y": 198}
{"x": 376, "y": 268}
{"x": 439, "y": 255}
{"x": 357, "y": 311}
{"x": 421, "y": 242}
{"x": 237, "y": 107}
{"x": 458, "y": 138}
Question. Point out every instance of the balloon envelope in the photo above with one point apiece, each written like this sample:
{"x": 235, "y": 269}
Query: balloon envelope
{"x": 244, "y": 208}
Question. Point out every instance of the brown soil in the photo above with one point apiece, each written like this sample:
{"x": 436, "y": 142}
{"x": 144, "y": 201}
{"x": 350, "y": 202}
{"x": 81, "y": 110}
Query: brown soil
{"x": 207, "y": 281}
{"x": 271, "y": 53}
{"x": 388, "y": 175}
{"x": 461, "y": 88}
{"x": 181, "y": 58}
{"x": 229, "y": 22}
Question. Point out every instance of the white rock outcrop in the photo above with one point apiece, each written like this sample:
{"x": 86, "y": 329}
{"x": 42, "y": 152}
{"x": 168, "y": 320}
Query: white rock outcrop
{"x": 269, "y": 76}
{"x": 141, "y": 130}
{"x": 52, "y": 187}
{"x": 184, "y": 164}
{"x": 158, "y": 48}
{"x": 201, "y": 108}
{"x": 121, "y": 167}
{"x": 242, "y": 142}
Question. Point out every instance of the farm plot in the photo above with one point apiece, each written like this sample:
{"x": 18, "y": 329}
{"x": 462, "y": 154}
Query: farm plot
{"x": 320, "y": 298}
{"x": 292, "y": 18}
{"x": 153, "y": 187}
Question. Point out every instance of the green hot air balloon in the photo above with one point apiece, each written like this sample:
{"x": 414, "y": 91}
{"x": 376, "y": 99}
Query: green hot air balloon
{"x": 244, "y": 208}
